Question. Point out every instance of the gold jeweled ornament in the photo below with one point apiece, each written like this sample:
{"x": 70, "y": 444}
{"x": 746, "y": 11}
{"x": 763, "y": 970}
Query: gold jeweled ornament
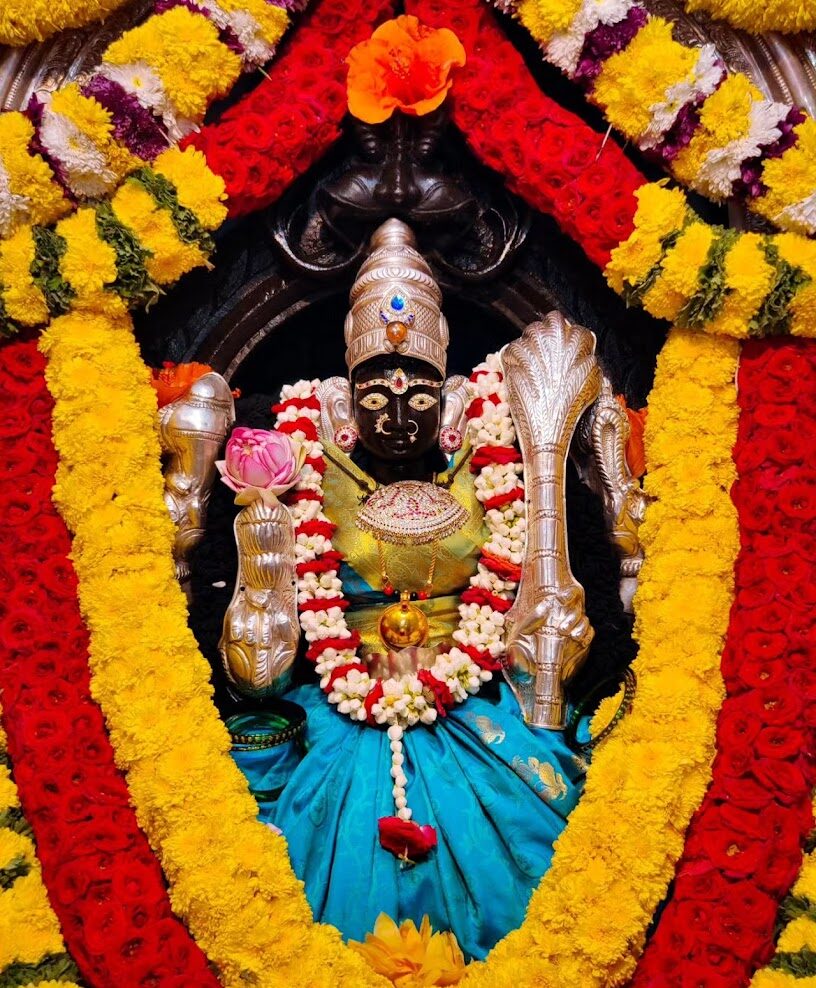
{"x": 409, "y": 512}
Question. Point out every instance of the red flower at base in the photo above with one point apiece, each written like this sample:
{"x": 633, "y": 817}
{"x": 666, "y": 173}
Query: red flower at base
{"x": 406, "y": 839}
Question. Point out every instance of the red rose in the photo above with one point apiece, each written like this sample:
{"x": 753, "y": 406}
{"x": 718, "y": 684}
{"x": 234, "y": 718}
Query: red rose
{"x": 404, "y": 838}
{"x": 741, "y": 791}
{"x": 785, "y": 779}
{"x": 781, "y": 741}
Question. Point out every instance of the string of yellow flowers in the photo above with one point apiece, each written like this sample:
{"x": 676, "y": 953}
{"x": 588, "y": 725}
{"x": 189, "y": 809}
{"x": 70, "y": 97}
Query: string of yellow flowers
{"x": 24, "y": 21}
{"x": 714, "y": 278}
{"x": 794, "y": 962}
{"x": 155, "y": 229}
{"x": 712, "y": 130}
{"x": 642, "y": 788}
{"x": 787, "y": 16}
{"x": 152, "y": 87}
{"x": 30, "y": 940}
{"x": 230, "y": 876}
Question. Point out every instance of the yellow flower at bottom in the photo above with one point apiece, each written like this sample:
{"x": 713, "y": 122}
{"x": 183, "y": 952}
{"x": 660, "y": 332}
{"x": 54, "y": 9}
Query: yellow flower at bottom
{"x": 409, "y": 957}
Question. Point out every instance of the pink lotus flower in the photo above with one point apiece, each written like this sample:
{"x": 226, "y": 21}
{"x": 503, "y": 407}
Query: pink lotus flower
{"x": 260, "y": 464}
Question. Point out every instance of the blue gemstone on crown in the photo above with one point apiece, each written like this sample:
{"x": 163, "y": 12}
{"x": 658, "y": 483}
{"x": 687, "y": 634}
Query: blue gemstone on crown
{"x": 398, "y": 303}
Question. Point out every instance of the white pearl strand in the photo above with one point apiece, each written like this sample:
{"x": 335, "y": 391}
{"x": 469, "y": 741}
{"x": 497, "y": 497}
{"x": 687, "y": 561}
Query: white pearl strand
{"x": 397, "y": 773}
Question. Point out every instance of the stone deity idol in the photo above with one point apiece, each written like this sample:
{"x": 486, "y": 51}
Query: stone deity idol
{"x": 438, "y": 712}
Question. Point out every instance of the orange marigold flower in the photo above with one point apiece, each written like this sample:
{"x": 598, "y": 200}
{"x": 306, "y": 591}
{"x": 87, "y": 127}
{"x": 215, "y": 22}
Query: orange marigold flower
{"x": 404, "y": 65}
{"x": 635, "y": 452}
{"x": 174, "y": 380}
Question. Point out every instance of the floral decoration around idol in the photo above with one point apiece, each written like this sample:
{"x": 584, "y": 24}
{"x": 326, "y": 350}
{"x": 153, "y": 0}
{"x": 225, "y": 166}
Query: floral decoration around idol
{"x": 165, "y": 772}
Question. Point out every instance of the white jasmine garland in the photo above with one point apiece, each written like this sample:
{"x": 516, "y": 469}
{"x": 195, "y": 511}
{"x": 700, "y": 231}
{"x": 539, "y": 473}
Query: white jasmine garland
{"x": 406, "y": 700}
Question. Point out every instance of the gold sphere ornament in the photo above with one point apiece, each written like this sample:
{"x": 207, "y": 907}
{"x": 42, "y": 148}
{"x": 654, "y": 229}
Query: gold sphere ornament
{"x": 403, "y": 625}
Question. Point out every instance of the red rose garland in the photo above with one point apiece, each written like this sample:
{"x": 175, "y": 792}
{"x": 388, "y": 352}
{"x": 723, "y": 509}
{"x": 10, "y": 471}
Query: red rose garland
{"x": 550, "y": 157}
{"x": 260, "y": 145}
{"x": 103, "y": 880}
{"x": 744, "y": 846}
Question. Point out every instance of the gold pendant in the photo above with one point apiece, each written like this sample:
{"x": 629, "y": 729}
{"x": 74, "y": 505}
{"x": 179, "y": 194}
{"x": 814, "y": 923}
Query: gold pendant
{"x": 404, "y": 624}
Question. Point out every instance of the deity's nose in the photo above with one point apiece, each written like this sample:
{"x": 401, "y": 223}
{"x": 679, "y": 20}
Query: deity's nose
{"x": 401, "y": 414}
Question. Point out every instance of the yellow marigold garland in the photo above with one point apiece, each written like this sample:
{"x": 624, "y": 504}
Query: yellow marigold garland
{"x": 719, "y": 280}
{"x": 641, "y": 787}
{"x": 154, "y": 230}
{"x": 230, "y": 876}
{"x": 174, "y": 65}
{"x": 787, "y": 16}
{"x": 24, "y": 21}
{"x": 29, "y": 929}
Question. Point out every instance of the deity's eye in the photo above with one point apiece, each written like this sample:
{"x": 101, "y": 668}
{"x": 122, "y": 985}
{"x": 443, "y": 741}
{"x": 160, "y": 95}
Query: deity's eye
{"x": 421, "y": 402}
{"x": 374, "y": 402}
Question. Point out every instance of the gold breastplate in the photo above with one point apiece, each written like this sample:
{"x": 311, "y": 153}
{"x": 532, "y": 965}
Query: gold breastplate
{"x": 345, "y": 486}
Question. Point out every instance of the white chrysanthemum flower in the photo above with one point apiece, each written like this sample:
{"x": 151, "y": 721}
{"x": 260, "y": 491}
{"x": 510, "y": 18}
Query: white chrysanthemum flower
{"x": 703, "y": 79}
{"x": 144, "y": 83}
{"x": 564, "y": 49}
{"x": 87, "y": 172}
{"x": 12, "y": 205}
{"x": 799, "y": 216}
{"x": 723, "y": 166}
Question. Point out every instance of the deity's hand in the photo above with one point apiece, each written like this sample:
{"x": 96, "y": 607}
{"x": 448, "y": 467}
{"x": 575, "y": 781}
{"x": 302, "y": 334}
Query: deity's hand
{"x": 192, "y": 430}
{"x": 259, "y": 643}
{"x": 261, "y": 630}
{"x": 546, "y": 646}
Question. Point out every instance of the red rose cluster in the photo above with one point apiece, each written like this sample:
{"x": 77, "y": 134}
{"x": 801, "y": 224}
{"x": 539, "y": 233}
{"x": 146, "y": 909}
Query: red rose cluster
{"x": 547, "y": 155}
{"x": 744, "y": 847}
{"x": 276, "y": 132}
{"x": 103, "y": 880}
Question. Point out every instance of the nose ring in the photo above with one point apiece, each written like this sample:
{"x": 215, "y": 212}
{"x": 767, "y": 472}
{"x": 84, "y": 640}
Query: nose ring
{"x": 412, "y": 435}
{"x": 379, "y": 425}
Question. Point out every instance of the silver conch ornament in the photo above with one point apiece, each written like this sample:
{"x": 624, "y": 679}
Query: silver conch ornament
{"x": 552, "y": 377}
{"x": 192, "y": 430}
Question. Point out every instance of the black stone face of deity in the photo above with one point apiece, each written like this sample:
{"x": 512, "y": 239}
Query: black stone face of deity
{"x": 397, "y": 407}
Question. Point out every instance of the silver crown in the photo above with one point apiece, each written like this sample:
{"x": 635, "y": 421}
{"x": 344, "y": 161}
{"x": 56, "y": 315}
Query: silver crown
{"x": 395, "y": 303}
